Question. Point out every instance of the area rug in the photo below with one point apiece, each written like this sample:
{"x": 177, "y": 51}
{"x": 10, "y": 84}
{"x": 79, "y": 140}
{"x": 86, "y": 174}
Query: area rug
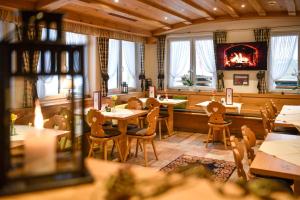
{"x": 220, "y": 170}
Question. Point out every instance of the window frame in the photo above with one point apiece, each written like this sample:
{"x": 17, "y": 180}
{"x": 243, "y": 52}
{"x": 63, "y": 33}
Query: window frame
{"x": 192, "y": 41}
{"x": 120, "y": 67}
{"x": 61, "y": 91}
{"x": 286, "y": 89}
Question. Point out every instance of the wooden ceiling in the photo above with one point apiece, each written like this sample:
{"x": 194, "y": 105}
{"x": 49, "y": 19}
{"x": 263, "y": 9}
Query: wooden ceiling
{"x": 155, "y": 17}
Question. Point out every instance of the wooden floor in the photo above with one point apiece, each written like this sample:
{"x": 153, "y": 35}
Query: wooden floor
{"x": 170, "y": 148}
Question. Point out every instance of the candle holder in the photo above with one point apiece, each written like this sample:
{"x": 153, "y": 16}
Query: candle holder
{"x": 17, "y": 63}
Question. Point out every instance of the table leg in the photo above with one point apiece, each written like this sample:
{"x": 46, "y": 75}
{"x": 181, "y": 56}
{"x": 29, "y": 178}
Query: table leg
{"x": 171, "y": 119}
{"x": 297, "y": 187}
{"x": 122, "y": 126}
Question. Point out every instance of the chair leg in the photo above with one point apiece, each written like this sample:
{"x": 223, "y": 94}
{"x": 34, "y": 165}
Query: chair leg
{"x": 105, "y": 150}
{"x": 127, "y": 149}
{"x": 116, "y": 141}
{"x": 145, "y": 153}
{"x": 154, "y": 149}
{"x": 91, "y": 149}
{"x": 224, "y": 137}
{"x": 159, "y": 129}
{"x": 137, "y": 147}
{"x": 113, "y": 149}
{"x": 208, "y": 135}
{"x": 167, "y": 125}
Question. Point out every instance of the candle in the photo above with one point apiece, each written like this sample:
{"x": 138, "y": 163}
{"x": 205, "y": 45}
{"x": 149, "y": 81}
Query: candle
{"x": 40, "y": 147}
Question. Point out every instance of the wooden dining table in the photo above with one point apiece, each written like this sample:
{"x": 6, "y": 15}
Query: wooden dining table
{"x": 266, "y": 164}
{"x": 170, "y": 103}
{"x": 122, "y": 115}
{"x": 234, "y": 105}
{"x": 17, "y": 140}
{"x": 289, "y": 116}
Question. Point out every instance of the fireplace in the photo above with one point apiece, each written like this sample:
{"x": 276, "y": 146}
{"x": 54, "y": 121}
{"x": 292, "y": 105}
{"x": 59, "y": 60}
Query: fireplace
{"x": 242, "y": 56}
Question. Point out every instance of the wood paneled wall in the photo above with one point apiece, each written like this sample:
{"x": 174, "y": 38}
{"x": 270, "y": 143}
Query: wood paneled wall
{"x": 52, "y": 107}
{"x": 251, "y": 103}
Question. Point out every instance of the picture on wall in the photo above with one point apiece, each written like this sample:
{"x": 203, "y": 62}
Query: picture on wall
{"x": 241, "y": 79}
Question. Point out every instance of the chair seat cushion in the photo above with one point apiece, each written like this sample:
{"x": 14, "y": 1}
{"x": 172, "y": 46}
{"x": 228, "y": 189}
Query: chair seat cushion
{"x": 131, "y": 126}
{"x": 137, "y": 132}
{"x": 107, "y": 123}
{"x": 163, "y": 115}
{"x": 109, "y": 132}
{"x": 226, "y": 121}
{"x": 287, "y": 130}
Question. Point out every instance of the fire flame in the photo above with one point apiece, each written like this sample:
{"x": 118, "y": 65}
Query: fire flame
{"x": 239, "y": 58}
{"x": 38, "y": 116}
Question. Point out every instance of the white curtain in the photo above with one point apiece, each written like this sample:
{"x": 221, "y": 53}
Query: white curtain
{"x": 128, "y": 63}
{"x": 79, "y": 39}
{"x": 179, "y": 62}
{"x": 282, "y": 50}
{"x": 47, "y": 86}
{"x": 113, "y": 63}
{"x": 205, "y": 59}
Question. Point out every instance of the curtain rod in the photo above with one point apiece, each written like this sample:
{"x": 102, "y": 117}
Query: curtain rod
{"x": 237, "y": 29}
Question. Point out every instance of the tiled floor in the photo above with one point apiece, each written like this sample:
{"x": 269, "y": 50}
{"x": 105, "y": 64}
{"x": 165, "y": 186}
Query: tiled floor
{"x": 182, "y": 143}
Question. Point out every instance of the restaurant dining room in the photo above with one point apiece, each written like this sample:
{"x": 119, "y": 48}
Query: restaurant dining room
{"x": 149, "y": 99}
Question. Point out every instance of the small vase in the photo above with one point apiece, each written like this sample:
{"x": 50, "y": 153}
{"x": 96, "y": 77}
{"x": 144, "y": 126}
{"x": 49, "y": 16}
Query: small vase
{"x": 12, "y": 129}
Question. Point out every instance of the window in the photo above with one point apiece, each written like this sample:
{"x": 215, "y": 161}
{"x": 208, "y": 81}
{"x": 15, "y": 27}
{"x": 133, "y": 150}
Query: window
{"x": 47, "y": 86}
{"x": 180, "y": 57}
{"x": 284, "y": 65}
{"x": 54, "y": 85}
{"x": 194, "y": 58}
{"x": 122, "y": 64}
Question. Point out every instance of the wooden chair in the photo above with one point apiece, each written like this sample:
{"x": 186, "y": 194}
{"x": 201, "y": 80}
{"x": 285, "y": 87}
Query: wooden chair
{"x": 135, "y": 104}
{"x": 67, "y": 114}
{"x": 145, "y": 135}
{"x": 100, "y": 136}
{"x": 249, "y": 141}
{"x": 58, "y": 122}
{"x": 217, "y": 123}
{"x": 266, "y": 123}
{"x": 163, "y": 117}
{"x": 271, "y": 120}
{"x": 274, "y": 107}
{"x": 238, "y": 154}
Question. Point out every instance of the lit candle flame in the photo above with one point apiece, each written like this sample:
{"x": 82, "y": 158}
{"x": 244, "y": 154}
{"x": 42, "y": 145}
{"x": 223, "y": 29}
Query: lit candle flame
{"x": 38, "y": 116}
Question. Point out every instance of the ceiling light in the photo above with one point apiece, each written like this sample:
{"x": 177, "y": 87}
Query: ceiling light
{"x": 116, "y": 1}
{"x": 166, "y": 18}
{"x": 243, "y": 5}
{"x": 272, "y": 3}
{"x": 215, "y": 8}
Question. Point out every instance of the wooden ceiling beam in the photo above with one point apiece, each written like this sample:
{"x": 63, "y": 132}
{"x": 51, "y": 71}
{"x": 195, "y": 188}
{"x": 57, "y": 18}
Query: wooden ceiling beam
{"x": 112, "y": 8}
{"x": 16, "y": 4}
{"x": 198, "y": 9}
{"x": 165, "y": 9}
{"x": 51, "y": 5}
{"x": 227, "y": 8}
{"x": 179, "y": 26}
{"x": 97, "y": 22}
{"x": 259, "y": 9}
{"x": 291, "y": 7}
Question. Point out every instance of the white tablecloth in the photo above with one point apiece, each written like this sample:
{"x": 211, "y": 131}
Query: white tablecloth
{"x": 235, "y": 105}
{"x": 288, "y": 150}
{"x": 290, "y": 114}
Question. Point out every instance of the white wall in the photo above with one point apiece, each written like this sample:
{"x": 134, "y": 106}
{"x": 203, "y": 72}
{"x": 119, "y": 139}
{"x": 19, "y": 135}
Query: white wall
{"x": 237, "y": 31}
